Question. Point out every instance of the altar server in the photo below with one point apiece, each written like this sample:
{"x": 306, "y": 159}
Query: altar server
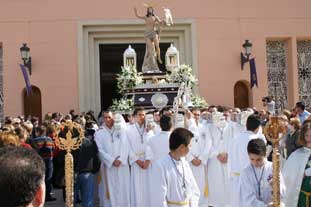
{"x": 173, "y": 184}
{"x": 140, "y": 155}
{"x": 256, "y": 178}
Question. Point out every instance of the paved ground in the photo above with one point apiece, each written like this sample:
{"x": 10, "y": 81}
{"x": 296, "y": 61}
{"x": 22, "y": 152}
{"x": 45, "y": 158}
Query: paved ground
{"x": 57, "y": 193}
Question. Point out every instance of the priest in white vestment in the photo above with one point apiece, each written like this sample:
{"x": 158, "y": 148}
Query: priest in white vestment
{"x": 297, "y": 171}
{"x": 198, "y": 155}
{"x": 140, "y": 155}
{"x": 173, "y": 182}
{"x": 218, "y": 177}
{"x": 256, "y": 179}
{"x": 113, "y": 150}
{"x": 238, "y": 156}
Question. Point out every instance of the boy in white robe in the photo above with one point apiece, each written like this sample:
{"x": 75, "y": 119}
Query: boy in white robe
{"x": 256, "y": 178}
{"x": 198, "y": 155}
{"x": 138, "y": 135}
{"x": 173, "y": 184}
{"x": 113, "y": 150}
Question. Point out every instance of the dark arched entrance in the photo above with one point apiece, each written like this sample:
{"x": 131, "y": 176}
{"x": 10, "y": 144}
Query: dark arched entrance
{"x": 32, "y": 103}
{"x": 242, "y": 94}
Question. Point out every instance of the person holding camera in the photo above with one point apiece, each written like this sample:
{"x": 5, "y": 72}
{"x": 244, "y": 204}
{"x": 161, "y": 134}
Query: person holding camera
{"x": 269, "y": 103}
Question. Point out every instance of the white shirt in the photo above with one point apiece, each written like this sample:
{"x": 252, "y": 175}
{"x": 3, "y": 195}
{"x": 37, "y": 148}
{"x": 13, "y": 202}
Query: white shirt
{"x": 256, "y": 190}
{"x": 238, "y": 156}
{"x": 159, "y": 145}
{"x": 173, "y": 182}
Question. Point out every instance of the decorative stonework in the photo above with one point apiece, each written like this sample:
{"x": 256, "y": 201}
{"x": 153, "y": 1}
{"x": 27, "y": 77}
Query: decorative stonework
{"x": 1, "y": 86}
{"x": 277, "y": 70}
{"x": 304, "y": 71}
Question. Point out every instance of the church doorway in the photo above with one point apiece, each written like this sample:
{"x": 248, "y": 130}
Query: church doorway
{"x": 111, "y": 60}
{"x": 32, "y": 103}
{"x": 242, "y": 94}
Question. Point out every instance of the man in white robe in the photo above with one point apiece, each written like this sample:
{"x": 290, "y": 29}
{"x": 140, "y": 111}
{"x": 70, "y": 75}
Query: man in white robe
{"x": 238, "y": 156}
{"x": 233, "y": 120}
{"x": 218, "y": 177}
{"x": 138, "y": 135}
{"x": 173, "y": 184}
{"x": 256, "y": 179}
{"x": 113, "y": 150}
{"x": 198, "y": 155}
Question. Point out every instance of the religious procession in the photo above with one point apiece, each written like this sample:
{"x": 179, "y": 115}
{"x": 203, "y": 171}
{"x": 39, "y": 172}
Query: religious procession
{"x": 135, "y": 111}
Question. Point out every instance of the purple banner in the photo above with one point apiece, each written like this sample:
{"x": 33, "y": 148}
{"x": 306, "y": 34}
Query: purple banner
{"x": 26, "y": 78}
{"x": 253, "y": 73}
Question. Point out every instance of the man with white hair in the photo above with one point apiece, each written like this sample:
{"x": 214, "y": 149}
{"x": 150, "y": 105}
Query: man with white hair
{"x": 113, "y": 150}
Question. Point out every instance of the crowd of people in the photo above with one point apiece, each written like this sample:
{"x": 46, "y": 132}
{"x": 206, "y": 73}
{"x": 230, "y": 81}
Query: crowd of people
{"x": 214, "y": 156}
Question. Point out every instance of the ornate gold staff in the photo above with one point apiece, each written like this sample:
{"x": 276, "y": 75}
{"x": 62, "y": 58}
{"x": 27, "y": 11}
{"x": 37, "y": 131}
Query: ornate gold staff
{"x": 274, "y": 130}
{"x": 69, "y": 143}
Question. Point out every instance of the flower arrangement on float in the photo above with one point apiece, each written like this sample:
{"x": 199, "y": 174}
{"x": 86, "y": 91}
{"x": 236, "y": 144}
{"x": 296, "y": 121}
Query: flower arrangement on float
{"x": 128, "y": 78}
{"x": 183, "y": 74}
{"x": 123, "y": 105}
{"x": 198, "y": 101}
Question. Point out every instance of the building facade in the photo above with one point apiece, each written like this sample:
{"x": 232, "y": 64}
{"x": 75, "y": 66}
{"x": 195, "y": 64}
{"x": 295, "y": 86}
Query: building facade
{"x": 69, "y": 71}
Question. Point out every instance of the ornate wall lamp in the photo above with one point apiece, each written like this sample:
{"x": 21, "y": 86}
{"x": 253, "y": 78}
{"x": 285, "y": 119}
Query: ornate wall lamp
{"x": 26, "y": 57}
{"x": 247, "y": 52}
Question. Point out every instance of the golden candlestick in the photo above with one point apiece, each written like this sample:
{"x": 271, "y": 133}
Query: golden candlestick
{"x": 274, "y": 131}
{"x": 72, "y": 141}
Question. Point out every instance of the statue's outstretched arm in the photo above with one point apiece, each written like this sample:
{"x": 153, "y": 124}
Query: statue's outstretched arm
{"x": 137, "y": 15}
{"x": 158, "y": 19}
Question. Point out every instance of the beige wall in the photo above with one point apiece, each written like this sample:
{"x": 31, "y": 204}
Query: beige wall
{"x": 50, "y": 28}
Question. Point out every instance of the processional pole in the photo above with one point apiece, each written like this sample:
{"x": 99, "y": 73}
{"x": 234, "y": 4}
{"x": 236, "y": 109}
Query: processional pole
{"x": 274, "y": 131}
{"x": 72, "y": 141}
